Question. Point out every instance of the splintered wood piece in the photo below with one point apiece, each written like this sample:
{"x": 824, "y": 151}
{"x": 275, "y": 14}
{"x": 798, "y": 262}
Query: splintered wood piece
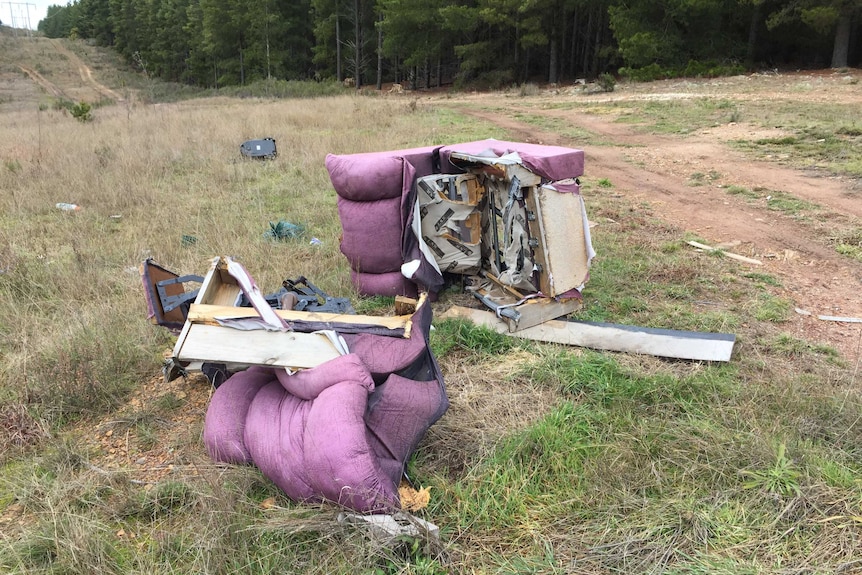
{"x": 210, "y": 314}
{"x": 562, "y": 252}
{"x": 728, "y": 254}
{"x": 209, "y": 343}
{"x": 540, "y": 310}
{"x": 405, "y": 305}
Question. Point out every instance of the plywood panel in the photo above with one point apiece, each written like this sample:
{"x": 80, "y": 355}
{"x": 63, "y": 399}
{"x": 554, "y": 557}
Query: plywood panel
{"x": 280, "y": 349}
{"x": 562, "y": 250}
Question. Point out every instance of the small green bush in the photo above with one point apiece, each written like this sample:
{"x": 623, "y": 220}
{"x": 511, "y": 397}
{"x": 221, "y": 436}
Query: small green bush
{"x": 607, "y": 82}
{"x": 646, "y": 74}
{"x": 693, "y": 69}
{"x": 82, "y": 111}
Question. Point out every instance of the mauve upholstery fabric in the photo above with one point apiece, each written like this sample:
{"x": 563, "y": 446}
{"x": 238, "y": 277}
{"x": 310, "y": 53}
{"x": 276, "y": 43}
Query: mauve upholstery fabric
{"x": 374, "y": 192}
{"x": 552, "y": 163}
{"x": 332, "y": 433}
{"x": 400, "y": 409}
{"x": 377, "y": 252}
{"x": 385, "y": 284}
{"x": 316, "y": 449}
{"x": 377, "y": 175}
{"x": 224, "y": 423}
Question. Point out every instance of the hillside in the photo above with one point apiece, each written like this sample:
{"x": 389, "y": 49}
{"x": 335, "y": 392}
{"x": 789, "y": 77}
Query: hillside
{"x": 37, "y": 70}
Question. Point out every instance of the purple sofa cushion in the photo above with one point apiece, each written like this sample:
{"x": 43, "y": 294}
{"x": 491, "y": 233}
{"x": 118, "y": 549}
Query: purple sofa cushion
{"x": 371, "y": 234}
{"x": 274, "y": 437}
{"x": 398, "y": 416}
{"x": 378, "y": 175}
{"x": 385, "y": 284}
{"x": 327, "y": 433}
{"x": 224, "y": 423}
{"x": 307, "y": 433}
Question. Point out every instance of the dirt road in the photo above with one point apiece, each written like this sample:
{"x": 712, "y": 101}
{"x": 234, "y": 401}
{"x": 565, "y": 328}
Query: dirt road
{"x": 86, "y": 73}
{"x": 656, "y": 170}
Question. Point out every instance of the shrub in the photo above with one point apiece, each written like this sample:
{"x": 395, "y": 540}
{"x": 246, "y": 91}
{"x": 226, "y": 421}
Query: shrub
{"x": 646, "y": 74}
{"x": 607, "y": 82}
{"x": 82, "y": 111}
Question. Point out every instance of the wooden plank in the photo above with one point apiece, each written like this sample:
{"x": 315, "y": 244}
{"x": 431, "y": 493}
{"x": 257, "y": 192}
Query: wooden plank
{"x": 562, "y": 250}
{"x": 406, "y": 306}
{"x": 258, "y": 347}
{"x": 505, "y": 287}
{"x": 206, "y": 292}
{"x": 204, "y": 313}
{"x": 540, "y": 310}
{"x": 614, "y": 337}
{"x": 218, "y": 287}
{"x": 728, "y": 254}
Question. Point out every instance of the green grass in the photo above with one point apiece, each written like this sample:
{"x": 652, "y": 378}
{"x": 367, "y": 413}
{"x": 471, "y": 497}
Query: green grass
{"x": 663, "y": 460}
{"x": 778, "y": 201}
{"x": 848, "y": 241}
{"x": 682, "y": 116}
{"x": 457, "y": 335}
{"x": 772, "y": 309}
{"x": 822, "y": 137}
{"x": 788, "y": 345}
{"x": 575, "y": 134}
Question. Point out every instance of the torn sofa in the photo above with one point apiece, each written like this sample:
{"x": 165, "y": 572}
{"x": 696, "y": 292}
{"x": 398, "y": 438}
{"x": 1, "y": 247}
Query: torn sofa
{"x": 508, "y": 212}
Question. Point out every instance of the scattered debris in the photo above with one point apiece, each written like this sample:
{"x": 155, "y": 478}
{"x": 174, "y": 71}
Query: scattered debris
{"x": 328, "y": 415}
{"x": 413, "y": 499}
{"x": 614, "y": 337}
{"x": 263, "y": 149}
{"x": 308, "y": 297}
{"x": 840, "y": 319}
{"x": 509, "y": 216}
{"x": 68, "y": 207}
{"x": 169, "y": 303}
{"x": 392, "y": 526}
{"x": 291, "y": 367}
{"x": 834, "y": 318}
{"x": 283, "y": 230}
{"x": 167, "y": 299}
{"x": 217, "y": 330}
{"x": 728, "y": 254}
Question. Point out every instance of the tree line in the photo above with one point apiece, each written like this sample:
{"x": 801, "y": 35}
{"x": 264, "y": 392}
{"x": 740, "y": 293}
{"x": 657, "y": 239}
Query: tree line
{"x": 492, "y": 43}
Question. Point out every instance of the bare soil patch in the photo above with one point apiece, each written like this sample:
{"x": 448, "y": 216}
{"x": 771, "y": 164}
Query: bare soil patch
{"x": 655, "y": 171}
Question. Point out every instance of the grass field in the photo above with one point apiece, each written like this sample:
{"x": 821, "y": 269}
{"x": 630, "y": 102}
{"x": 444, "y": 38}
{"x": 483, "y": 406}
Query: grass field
{"x": 550, "y": 460}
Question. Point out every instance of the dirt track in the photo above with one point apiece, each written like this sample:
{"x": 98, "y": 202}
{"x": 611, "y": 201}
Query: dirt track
{"x": 52, "y": 68}
{"x": 656, "y": 170}
{"x": 86, "y": 73}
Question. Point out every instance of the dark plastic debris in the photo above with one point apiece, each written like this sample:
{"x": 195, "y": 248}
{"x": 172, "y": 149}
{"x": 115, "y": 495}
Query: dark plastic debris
{"x": 263, "y": 149}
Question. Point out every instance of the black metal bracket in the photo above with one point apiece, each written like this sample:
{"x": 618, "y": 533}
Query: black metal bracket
{"x": 312, "y": 298}
{"x": 172, "y": 302}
